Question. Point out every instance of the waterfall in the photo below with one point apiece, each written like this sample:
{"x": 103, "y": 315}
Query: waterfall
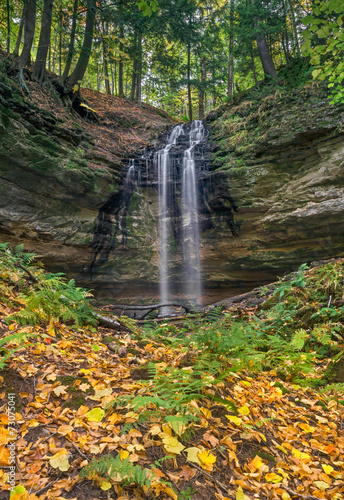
{"x": 165, "y": 177}
{"x": 190, "y": 217}
{"x": 177, "y": 175}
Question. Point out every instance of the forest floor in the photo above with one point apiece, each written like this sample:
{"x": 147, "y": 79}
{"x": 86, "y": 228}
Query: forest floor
{"x": 214, "y": 408}
{"x": 113, "y": 129}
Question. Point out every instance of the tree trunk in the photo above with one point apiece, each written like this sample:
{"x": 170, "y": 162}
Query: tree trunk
{"x": 134, "y": 73}
{"x": 29, "y": 32}
{"x": 44, "y": 41}
{"x": 105, "y": 59}
{"x": 201, "y": 91}
{"x": 60, "y": 41}
{"x": 20, "y": 32}
{"x": 8, "y": 41}
{"x": 230, "y": 86}
{"x": 139, "y": 69}
{"x": 189, "y": 83}
{"x": 71, "y": 43}
{"x": 120, "y": 65}
{"x": 265, "y": 56}
{"x": 263, "y": 50}
{"x": 293, "y": 20}
{"x": 81, "y": 65}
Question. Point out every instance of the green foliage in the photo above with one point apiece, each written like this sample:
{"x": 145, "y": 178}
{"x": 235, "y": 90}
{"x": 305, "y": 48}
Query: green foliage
{"x": 45, "y": 297}
{"x": 122, "y": 471}
{"x": 324, "y": 43}
{"x": 6, "y": 351}
{"x": 55, "y": 299}
{"x": 297, "y": 325}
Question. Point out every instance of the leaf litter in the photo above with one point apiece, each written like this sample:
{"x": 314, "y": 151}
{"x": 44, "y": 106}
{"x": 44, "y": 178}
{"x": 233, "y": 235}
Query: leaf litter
{"x": 178, "y": 434}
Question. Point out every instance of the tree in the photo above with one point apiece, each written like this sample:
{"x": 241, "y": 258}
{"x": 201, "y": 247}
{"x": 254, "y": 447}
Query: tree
{"x": 71, "y": 43}
{"x": 44, "y": 41}
{"x": 29, "y": 14}
{"x": 81, "y": 66}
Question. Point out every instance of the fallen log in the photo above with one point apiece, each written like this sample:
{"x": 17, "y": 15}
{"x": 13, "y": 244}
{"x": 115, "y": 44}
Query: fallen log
{"x": 111, "y": 323}
{"x": 152, "y": 307}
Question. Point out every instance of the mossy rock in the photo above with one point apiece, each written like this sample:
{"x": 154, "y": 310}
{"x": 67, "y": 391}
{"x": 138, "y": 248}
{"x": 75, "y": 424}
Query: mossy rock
{"x": 335, "y": 370}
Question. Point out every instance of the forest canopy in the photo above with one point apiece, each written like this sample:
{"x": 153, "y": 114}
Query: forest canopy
{"x": 185, "y": 56}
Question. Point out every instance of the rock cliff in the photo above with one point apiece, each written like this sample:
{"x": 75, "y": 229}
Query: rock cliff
{"x": 283, "y": 159}
{"x": 273, "y": 197}
{"x": 57, "y": 169}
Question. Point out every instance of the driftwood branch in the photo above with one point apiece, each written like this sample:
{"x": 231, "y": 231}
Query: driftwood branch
{"x": 110, "y": 323}
{"x": 152, "y": 307}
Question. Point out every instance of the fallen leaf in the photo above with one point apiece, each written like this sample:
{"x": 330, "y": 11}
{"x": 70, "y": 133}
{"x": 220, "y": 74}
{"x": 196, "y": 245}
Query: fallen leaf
{"x": 59, "y": 390}
{"x": 234, "y": 420}
{"x": 172, "y": 445}
{"x": 271, "y": 477}
{"x": 240, "y": 495}
{"x": 244, "y": 410}
{"x": 207, "y": 460}
{"x": 95, "y": 415}
{"x": 192, "y": 455}
{"x": 60, "y": 460}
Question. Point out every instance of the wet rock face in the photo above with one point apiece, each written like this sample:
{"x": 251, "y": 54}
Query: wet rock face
{"x": 261, "y": 213}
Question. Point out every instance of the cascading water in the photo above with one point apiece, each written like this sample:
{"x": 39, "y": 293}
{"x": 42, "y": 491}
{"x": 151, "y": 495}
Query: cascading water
{"x": 165, "y": 178}
{"x": 190, "y": 217}
{"x": 178, "y": 167}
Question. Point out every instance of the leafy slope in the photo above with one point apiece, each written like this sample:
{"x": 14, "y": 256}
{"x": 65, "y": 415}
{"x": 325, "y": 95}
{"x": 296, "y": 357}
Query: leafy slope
{"x": 198, "y": 423}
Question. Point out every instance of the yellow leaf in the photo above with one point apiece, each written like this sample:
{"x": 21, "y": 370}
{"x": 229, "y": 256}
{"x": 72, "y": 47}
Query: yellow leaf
{"x": 95, "y": 415}
{"x": 262, "y": 436}
{"x": 256, "y": 462}
{"x": 75, "y": 88}
{"x": 172, "y": 445}
{"x": 166, "y": 429}
{"x": 158, "y": 487}
{"x": 105, "y": 486}
{"x": 85, "y": 371}
{"x": 155, "y": 430}
{"x": 244, "y": 410}
{"x": 300, "y": 455}
{"x": 19, "y": 493}
{"x": 285, "y": 496}
{"x": 207, "y": 460}
{"x": 273, "y": 478}
{"x": 124, "y": 454}
{"x": 306, "y": 427}
{"x": 321, "y": 485}
{"x": 327, "y": 468}
{"x": 234, "y": 420}
{"x": 206, "y": 412}
{"x": 193, "y": 455}
{"x": 240, "y": 495}
{"x": 60, "y": 460}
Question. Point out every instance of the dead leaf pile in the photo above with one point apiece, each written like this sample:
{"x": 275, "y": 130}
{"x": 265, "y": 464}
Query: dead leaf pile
{"x": 282, "y": 442}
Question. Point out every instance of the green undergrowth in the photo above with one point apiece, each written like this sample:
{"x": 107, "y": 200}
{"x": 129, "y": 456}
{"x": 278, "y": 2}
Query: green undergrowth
{"x": 296, "y": 331}
{"x": 31, "y": 296}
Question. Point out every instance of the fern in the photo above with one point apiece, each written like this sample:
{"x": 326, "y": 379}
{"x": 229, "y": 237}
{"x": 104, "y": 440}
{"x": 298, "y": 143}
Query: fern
{"x": 5, "y": 352}
{"x": 118, "y": 470}
{"x": 55, "y": 299}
